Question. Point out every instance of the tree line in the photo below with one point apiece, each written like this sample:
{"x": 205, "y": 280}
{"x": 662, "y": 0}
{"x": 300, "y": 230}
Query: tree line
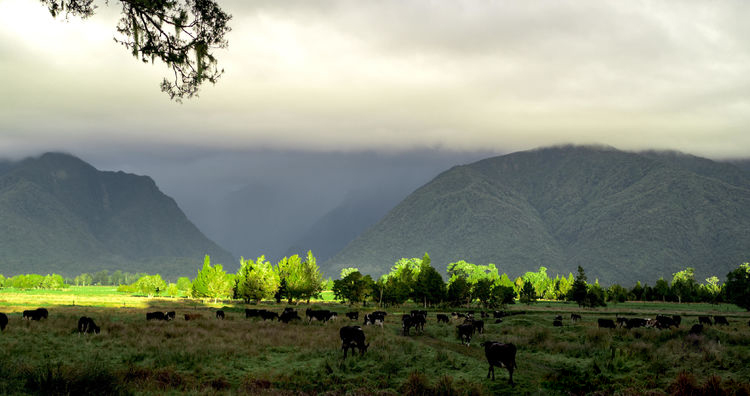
{"x": 298, "y": 278}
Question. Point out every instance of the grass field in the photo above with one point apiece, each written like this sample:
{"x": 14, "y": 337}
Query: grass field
{"x": 241, "y": 356}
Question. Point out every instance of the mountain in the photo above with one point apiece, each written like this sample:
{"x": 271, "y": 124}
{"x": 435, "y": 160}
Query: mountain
{"x": 334, "y": 230}
{"x": 622, "y": 216}
{"x": 60, "y": 214}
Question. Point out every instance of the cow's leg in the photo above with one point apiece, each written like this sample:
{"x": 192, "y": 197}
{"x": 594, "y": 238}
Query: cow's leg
{"x": 510, "y": 372}
{"x": 490, "y": 370}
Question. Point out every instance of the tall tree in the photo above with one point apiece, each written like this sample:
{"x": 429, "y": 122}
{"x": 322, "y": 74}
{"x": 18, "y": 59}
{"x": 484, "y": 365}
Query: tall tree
{"x": 181, "y": 33}
{"x": 353, "y": 287}
{"x": 313, "y": 278}
{"x": 212, "y": 282}
{"x": 737, "y": 286}
{"x": 579, "y": 289}
{"x": 255, "y": 280}
{"x": 429, "y": 287}
{"x": 684, "y": 285}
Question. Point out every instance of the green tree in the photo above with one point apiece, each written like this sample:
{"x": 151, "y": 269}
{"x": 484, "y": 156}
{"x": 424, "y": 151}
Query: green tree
{"x": 149, "y": 285}
{"x": 502, "y": 295}
{"x": 459, "y": 291}
{"x": 737, "y": 286}
{"x": 212, "y": 282}
{"x": 661, "y": 290}
{"x": 595, "y": 296}
{"x": 313, "y": 278}
{"x": 540, "y": 281}
{"x": 429, "y": 287}
{"x": 684, "y": 285}
{"x": 53, "y": 281}
{"x": 173, "y": 290}
{"x": 353, "y": 287}
{"x": 617, "y": 293}
{"x": 100, "y": 278}
{"x": 255, "y": 280}
{"x": 184, "y": 284}
{"x": 528, "y": 293}
{"x": 579, "y": 289}
{"x": 181, "y": 33}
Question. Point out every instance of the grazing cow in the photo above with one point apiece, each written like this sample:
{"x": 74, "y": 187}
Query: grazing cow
{"x": 621, "y": 321}
{"x": 465, "y": 331}
{"x": 268, "y": 315}
{"x": 721, "y": 320}
{"x": 35, "y": 314}
{"x": 354, "y": 315}
{"x": 457, "y": 315}
{"x": 636, "y": 322}
{"x": 169, "y": 315}
{"x": 156, "y": 316}
{"x": 677, "y": 319}
{"x": 407, "y": 323}
{"x": 353, "y": 337}
{"x": 375, "y": 318}
{"x": 193, "y": 316}
{"x": 697, "y": 329}
{"x": 252, "y": 313}
{"x": 498, "y": 320}
{"x": 705, "y": 320}
{"x": 479, "y": 326}
{"x": 3, "y": 321}
{"x": 557, "y": 323}
{"x": 558, "y": 317}
{"x": 86, "y": 325}
{"x": 322, "y": 315}
{"x": 575, "y": 317}
{"x": 442, "y": 318}
{"x": 418, "y": 312}
{"x": 606, "y": 323}
{"x": 500, "y": 355}
{"x": 498, "y": 314}
{"x": 219, "y": 314}
{"x": 664, "y": 322}
{"x": 288, "y": 316}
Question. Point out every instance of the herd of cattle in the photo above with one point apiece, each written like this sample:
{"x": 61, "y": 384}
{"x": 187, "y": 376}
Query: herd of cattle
{"x": 353, "y": 337}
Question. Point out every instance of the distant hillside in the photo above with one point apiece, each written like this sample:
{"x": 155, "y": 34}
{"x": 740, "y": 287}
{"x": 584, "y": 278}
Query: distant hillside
{"x": 59, "y": 214}
{"x": 622, "y": 216}
{"x": 337, "y": 228}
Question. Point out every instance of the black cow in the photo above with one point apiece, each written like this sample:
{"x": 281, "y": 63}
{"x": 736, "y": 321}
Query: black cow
{"x": 169, "y": 315}
{"x": 288, "y": 316}
{"x": 557, "y": 323}
{"x": 353, "y": 337}
{"x": 442, "y": 318}
{"x": 697, "y": 329}
{"x": 606, "y": 323}
{"x": 407, "y": 323}
{"x": 35, "y": 314}
{"x": 375, "y": 318}
{"x": 465, "y": 331}
{"x": 483, "y": 314}
{"x": 156, "y": 316}
{"x": 498, "y": 314}
{"x": 86, "y": 325}
{"x": 574, "y": 317}
{"x": 268, "y": 315}
{"x": 354, "y": 315}
{"x": 721, "y": 320}
{"x": 479, "y": 326}
{"x": 665, "y": 322}
{"x": 322, "y": 315}
{"x": 500, "y": 355}
{"x": 419, "y": 319}
{"x": 219, "y": 314}
{"x": 677, "y": 319}
{"x": 457, "y": 315}
{"x": 558, "y": 317}
{"x": 636, "y": 322}
{"x": 498, "y": 320}
{"x": 705, "y": 320}
{"x": 621, "y": 321}
{"x": 252, "y": 313}
{"x": 3, "y": 321}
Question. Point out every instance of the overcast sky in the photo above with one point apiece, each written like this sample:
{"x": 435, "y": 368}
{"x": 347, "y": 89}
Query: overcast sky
{"x": 393, "y": 76}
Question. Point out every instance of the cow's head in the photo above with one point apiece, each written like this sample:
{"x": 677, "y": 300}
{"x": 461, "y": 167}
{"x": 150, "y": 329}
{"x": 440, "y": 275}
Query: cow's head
{"x": 364, "y": 349}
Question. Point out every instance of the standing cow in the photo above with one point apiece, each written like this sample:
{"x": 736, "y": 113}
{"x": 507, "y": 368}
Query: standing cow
{"x": 86, "y": 325}
{"x": 500, "y": 355}
{"x": 353, "y": 337}
{"x": 3, "y": 321}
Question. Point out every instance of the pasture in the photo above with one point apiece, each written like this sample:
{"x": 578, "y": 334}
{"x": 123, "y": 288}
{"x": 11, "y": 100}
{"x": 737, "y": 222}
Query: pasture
{"x": 252, "y": 356}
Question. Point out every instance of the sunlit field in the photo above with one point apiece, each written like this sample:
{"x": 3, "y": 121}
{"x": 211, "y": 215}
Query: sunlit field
{"x": 250, "y": 356}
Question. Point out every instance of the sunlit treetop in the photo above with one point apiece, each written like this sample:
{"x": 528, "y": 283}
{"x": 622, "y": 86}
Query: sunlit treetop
{"x": 181, "y": 33}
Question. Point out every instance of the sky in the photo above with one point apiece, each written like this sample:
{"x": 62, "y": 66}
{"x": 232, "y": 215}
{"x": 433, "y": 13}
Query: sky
{"x": 390, "y": 76}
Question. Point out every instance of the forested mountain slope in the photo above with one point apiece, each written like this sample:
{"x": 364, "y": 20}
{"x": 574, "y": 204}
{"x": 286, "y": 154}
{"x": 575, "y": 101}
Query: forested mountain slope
{"x": 60, "y": 214}
{"x": 622, "y": 216}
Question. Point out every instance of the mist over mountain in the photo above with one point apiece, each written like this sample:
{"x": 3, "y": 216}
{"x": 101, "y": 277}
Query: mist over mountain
{"x": 622, "y": 216}
{"x": 60, "y": 214}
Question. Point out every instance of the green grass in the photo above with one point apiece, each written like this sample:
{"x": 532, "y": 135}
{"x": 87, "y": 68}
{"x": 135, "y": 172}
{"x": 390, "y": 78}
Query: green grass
{"x": 241, "y": 356}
